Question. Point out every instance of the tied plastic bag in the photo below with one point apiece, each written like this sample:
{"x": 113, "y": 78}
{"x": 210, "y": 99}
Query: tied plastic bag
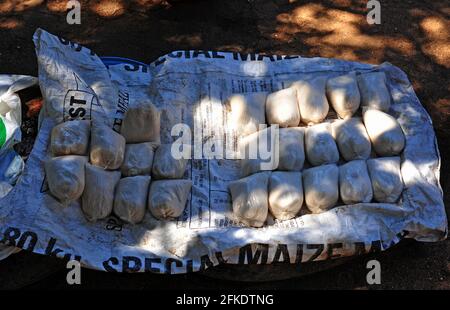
{"x": 66, "y": 177}
{"x": 165, "y": 165}
{"x": 98, "y": 196}
{"x": 246, "y": 112}
{"x": 313, "y": 103}
{"x": 260, "y": 151}
{"x": 354, "y": 182}
{"x": 374, "y": 92}
{"x": 282, "y": 108}
{"x": 250, "y": 199}
{"x": 292, "y": 149}
{"x": 385, "y": 133}
{"x": 70, "y": 138}
{"x": 343, "y": 94}
{"x": 130, "y": 199}
{"x": 320, "y": 146}
{"x": 352, "y": 139}
{"x": 138, "y": 159}
{"x": 386, "y": 178}
{"x": 167, "y": 198}
{"x": 141, "y": 123}
{"x": 321, "y": 187}
{"x": 285, "y": 194}
{"x": 107, "y": 147}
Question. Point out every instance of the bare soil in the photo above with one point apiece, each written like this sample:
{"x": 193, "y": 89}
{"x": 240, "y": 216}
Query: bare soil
{"x": 413, "y": 35}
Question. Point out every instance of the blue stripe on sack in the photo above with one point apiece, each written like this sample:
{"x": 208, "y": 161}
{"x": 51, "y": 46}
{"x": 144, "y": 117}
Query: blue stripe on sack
{"x": 111, "y": 61}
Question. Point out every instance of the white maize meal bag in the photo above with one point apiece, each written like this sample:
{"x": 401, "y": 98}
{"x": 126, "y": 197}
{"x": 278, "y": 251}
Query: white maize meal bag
{"x": 282, "y": 108}
{"x": 321, "y": 187}
{"x": 138, "y": 159}
{"x": 343, "y": 94}
{"x": 320, "y": 147}
{"x": 352, "y": 138}
{"x": 285, "y": 194}
{"x": 385, "y": 133}
{"x": 354, "y": 182}
{"x": 167, "y": 198}
{"x": 250, "y": 199}
{"x": 65, "y": 177}
{"x": 386, "y": 178}
{"x": 374, "y": 92}
{"x": 130, "y": 199}
{"x": 71, "y": 138}
{"x": 98, "y": 195}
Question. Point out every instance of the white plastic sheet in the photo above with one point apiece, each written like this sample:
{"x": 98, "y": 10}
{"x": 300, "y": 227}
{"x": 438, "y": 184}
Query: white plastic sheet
{"x": 191, "y": 87}
{"x": 11, "y": 164}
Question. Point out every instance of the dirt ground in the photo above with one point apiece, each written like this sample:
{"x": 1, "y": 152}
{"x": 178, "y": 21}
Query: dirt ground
{"x": 413, "y": 35}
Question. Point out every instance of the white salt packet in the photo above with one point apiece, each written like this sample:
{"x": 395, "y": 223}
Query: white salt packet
{"x": 387, "y": 183}
{"x": 246, "y": 112}
{"x": 107, "y": 147}
{"x": 167, "y": 198}
{"x": 282, "y": 108}
{"x": 374, "y": 92}
{"x": 98, "y": 195}
{"x": 130, "y": 199}
{"x": 313, "y": 103}
{"x": 165, "y": 165}
{"x": 138, "y": 159}
{"x": 321, "y": 187}
{"x": 70, "y": 138}
{"x": 292, "y": 148}
{"x": 385, "y": 133}
{"x": 250, "y": 199}
{"x": 285, "y": 194}
{"x": 354, "y": 182}
{"x": 320, "y": 146}
{"x": 65, "y": 177}
{"x": 142, "y": 123}
{"x": 259, "y": 151}
{"x": 352, "y": 138}
{"x": 343, "y": 94}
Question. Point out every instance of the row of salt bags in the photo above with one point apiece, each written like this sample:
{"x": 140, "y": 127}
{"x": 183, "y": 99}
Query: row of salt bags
{"x": 320, "y": 147}
{"x": 259, "y": 151}
{"x": 291, "y": 148}
{"x": 66, "y": 177}
{"x": 354, "y": 182}
{"x": 138, "y": 159}
{"x": 130, "y": 199}
{"x": 374, "y": 91}
{"x": 282, "y": 108}
{"x": 141, "y": 123}
{"x": 343, "y": 94}
{"x": 107, "y": 147}
{"x": 386, "y": 178}
{"x": 165, "y": 165}
{"x": 321, "y": 187}
{"x": 167, "y": 198}
{"x": 246, "y": 112}
{"x": 98, "y": 195}
{"x": 250, "y": 199}
{"x": 352, "y": 138}
{"x": 385, "y": 132}
{"x": 312, "y": 101}
{"x": 70, "y": 138}
{"x": 285, "y": 194}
